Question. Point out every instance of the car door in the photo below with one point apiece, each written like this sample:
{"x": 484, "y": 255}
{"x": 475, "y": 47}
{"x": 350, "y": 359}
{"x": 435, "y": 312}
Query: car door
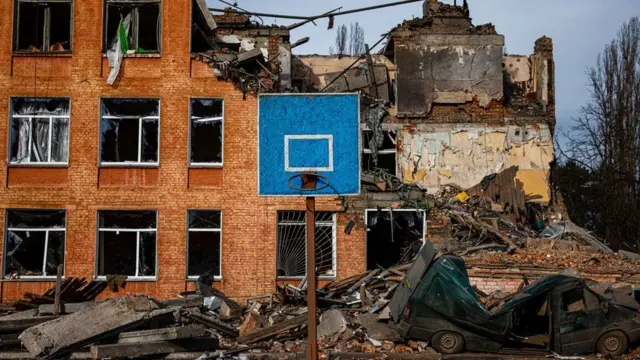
{"x": 578, "y": 320}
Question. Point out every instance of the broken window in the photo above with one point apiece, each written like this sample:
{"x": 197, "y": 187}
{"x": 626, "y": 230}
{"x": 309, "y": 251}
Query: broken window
{"x": 393, "y": 237}
{"x": 132, "y": 26}
{"x": 207, "y": 128}
{"x": 129, "y": 131}
{"x": 42, "y": 25}
{"x": 292, "y": 240}
{"x": 204, "y": 243}
{"x": 127, "y": 243}
{"x": 39, "y": 131}
{"x": 34, "y": 243}
{"x": 379, "y": 153}
{"x": 579, "y": 299}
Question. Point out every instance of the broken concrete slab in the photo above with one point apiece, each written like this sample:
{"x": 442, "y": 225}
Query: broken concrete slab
{"x": 249, "y": 55}
{"x": 206, "y": 14}
{"x": 115, "y": 351}
{"x": 21, "y": 315}
{"x": 47, "y": 309}
{"x": 172, "y": 333}
{"x": 378, "y": 330}
{"x": 331, "y": 323}
{"x": 67, "y": 333}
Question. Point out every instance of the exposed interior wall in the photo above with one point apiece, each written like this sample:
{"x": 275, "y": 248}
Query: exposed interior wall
{"x": 448, "y": 69}
{"x": 464, "y": 154}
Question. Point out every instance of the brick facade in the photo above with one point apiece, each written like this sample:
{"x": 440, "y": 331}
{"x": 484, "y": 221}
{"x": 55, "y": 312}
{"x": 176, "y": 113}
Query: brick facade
{"x": 83, "y": 188}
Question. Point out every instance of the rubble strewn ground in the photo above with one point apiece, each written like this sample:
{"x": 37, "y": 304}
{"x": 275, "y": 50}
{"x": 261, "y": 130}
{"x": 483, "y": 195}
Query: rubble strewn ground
{"x": 353, "y": 312}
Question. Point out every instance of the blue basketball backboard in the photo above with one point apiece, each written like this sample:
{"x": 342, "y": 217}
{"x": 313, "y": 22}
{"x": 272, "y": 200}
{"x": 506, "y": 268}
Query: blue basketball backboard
{"x": 309, "y": 133}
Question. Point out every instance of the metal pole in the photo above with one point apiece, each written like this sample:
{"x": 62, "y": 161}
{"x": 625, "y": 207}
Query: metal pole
{"x": 312, "y": 341}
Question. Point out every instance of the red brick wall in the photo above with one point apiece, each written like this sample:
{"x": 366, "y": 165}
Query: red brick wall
{"x": 249, "y": 222}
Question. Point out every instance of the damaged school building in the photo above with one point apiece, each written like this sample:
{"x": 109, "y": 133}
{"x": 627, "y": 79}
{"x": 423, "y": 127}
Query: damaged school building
{"x": 132, "y": 152}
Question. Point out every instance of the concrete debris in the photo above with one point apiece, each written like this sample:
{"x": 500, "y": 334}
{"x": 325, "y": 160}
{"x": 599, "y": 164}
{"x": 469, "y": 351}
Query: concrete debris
{"x": 56, "y": 337}
{"x": 332, "y": 322}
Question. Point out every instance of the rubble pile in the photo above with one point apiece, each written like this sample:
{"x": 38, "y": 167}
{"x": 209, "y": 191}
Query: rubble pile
{"x": 487, "y": 225}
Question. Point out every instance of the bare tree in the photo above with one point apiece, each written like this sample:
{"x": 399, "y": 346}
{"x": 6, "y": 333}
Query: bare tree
{"x": 341, "y": 40}
{"x": 356, "y": 40}
{"x": 605, "y": 138}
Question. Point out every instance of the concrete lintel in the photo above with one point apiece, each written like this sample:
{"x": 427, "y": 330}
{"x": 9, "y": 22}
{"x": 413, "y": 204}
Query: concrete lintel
{"x": 458, "y": 40}
{"x": 204, "y": 9}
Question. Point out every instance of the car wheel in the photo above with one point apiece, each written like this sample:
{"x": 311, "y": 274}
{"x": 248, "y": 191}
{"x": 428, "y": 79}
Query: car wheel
{"x": 447, "y": 342}
{"x": 614, "y": 343}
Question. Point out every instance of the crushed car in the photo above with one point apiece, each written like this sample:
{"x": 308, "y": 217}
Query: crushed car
{"x": 563, "y": 314}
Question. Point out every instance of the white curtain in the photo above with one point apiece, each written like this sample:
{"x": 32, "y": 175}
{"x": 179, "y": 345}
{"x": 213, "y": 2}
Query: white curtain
{"x": 36, "y": 131}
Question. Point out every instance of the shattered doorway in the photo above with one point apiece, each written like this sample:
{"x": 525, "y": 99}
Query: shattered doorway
{"x": 393, "y": 236}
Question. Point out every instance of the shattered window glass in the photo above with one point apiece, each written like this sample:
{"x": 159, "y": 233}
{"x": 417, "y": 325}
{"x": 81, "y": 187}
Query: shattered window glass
{"x": 130, "y": 131}
{"x": 127, "y": 243}
{"x": 206, "y": 132}
{"x": 39, "y": 131}
{"x": 204, "y": 243}
{"x": 143, "y": 35}
{"x": 34, "y": 243}
{"x": 291, "y": 243}
{"x": 573, "y": 300}
{"x": 42, "y": 26}
{"x": 379, "y": 152}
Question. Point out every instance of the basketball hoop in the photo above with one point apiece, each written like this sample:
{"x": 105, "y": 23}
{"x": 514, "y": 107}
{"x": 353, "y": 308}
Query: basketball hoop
{"x": 310, "y": 182}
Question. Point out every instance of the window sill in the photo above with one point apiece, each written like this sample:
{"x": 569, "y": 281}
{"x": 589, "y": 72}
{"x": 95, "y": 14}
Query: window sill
{"x": 130, "y": 165}
{"x": 195, "y": 278}
{"x": 52, "y": 54}
{"x": 130, "y": 278}
{"x": 32, "y": 279}
{"x": 38, "y": 165}
{"x": 138, "y": 55}
{"x": 205, "y": 166}
{"x": 291, "y": 278}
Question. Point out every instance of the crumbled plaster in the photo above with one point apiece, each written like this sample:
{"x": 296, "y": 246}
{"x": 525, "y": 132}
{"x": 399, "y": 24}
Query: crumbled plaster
{"x": 463, "y": 155}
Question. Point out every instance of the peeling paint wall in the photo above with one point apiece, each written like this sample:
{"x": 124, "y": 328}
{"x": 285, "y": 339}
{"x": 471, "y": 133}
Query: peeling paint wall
{"x": 464, "y": 154}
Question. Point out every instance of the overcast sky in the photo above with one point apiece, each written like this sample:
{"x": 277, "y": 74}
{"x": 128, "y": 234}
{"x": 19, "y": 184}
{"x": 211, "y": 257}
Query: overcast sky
{"x": 579, "y": 28}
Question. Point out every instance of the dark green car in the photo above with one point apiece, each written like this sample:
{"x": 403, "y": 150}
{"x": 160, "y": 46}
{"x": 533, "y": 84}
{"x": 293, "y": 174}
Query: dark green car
{"x": 436, "y": 303}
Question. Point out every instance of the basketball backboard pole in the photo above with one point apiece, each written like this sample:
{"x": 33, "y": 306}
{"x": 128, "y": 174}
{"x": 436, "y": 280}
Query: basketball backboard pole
{"x": 309, "y": 146}
{"x": 309, "y": 182}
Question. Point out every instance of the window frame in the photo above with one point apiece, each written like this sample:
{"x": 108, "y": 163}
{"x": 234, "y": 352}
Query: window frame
{"x": 366, "y": 226}
{"x": 136, "y": 3}
{"x": 334, "y": 242}
{"x": 44, "y": 258}
{"x": 137, "y": 231}
{"x": 47, "y": 27}
{"x": 368, "y": 151}
{"x": 221, "y": 119}
{"x": 31, "y": 117}
{"x": 139, "y": 164}
{"x": 218, "y": 230}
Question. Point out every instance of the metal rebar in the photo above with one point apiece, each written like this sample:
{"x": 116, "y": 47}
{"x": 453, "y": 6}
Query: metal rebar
{"x": 311, "y": 18}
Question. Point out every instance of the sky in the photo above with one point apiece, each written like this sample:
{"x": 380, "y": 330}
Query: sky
{"x": 580, "y": 29}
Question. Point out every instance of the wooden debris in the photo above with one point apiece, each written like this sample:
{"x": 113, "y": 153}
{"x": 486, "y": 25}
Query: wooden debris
{"x": 274, "y": 330}
{"x": 17, "y": 325}
{"x": 212, "y": 323}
